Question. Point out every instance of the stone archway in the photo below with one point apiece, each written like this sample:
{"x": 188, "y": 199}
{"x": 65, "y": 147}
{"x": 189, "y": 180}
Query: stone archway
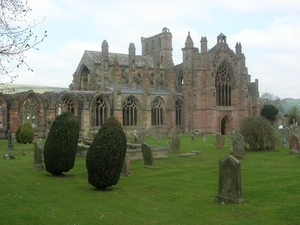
{"x": 225, "y": 126}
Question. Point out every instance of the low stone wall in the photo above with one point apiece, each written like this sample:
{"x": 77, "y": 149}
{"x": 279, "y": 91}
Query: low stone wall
{"x": 134, "y": 151}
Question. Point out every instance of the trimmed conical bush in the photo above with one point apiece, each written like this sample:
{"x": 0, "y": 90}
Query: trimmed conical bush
{"x": 105, "y": 158}
{"x": 61, "y": 145}
{"x": 18, "y": 134}
{"x": 26, "y": 133}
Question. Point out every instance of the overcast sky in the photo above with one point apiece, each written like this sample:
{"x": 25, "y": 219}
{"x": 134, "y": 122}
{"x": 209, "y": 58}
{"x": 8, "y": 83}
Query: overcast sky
{"x": 269, "y": 31}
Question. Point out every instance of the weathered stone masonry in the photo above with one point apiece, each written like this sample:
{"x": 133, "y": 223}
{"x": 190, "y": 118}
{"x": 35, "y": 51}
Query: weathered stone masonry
{"x": 210, "y": 90}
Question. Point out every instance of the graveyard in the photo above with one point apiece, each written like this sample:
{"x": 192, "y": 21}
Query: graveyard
{"x": 178, "y": 189}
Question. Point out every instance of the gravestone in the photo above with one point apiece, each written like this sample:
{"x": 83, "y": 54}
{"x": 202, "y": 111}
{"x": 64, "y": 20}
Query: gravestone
{"x": 147, "y": 155}
{"x": 294, "y": 144}
{"x": 38, "y": 155}
{"x": 237, "y": 146}
{"x": 203, "y": 138}
{"x": 220, "y": 141}
{"x": 134, "y": 139}
{"x": 159, "y": 136}
{"x": 175, "y": 144}
{"x": 230, "y": 187}
{"x": 9, "y": 140}
{"x": 126, "y": 166}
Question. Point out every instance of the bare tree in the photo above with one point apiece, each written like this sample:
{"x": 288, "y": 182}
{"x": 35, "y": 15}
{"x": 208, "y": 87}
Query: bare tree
{"x": 270, "y": 99}
{"x": 16, "y": 37}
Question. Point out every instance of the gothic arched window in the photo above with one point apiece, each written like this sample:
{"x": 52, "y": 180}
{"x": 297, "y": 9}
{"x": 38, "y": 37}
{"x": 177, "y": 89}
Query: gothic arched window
{"x": 223, "y": 86}
{"x": 156, "y": 113}
{"x": 178, "y": 110}
{"x": 65, "y": 105}
{"x": 129, "y": 113}
{"x": 100, "y": 111}
{"x": 180, "y": 79}
{"x": 30, "y": 112}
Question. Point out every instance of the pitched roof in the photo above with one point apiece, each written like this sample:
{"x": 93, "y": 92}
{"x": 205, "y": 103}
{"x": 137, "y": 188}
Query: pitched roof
{"x": 123, "y": 59}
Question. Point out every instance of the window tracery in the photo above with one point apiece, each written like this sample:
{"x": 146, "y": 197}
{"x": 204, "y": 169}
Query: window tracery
{"x": 223, "y": 86}
{"x": 157, "y": 112}
{"x": 30, "y": 112}
{"x": 129, "y": 113}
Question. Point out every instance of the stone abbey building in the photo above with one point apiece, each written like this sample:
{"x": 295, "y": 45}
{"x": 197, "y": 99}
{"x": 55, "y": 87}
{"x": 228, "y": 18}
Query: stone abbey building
{"x": 210, "y": 90}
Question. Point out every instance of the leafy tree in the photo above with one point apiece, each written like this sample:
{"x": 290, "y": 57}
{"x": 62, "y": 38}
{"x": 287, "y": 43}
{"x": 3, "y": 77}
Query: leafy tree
{"x": 269, "y": 112}
{"x": 16, "y": 35}
{"x": 106, "y": 155}
{"x": 26, "y": 133}
{"x": 270, "y": 99}
{"x": 61, "y": 144}
{"x": 294, "y": 113}
{"x": 258, "y": 133}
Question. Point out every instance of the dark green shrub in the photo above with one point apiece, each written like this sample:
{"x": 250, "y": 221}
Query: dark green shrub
{"x": 18, "y": 134}
{"x": 269, "y": 112}
{"x": 61, "y": 145}
{"x": 105, "y": 158}
{"x": 26, "y": 133}
{"x": 258, "y": 133}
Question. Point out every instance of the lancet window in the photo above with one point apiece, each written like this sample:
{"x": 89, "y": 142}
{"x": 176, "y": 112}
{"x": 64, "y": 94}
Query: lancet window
{"x": 101, "y": 111}
{"x": 156, "y": 112}
{"x": 223, "y": 86}
{"x": 30, "y": 112}
{"x": 129, "y": 113}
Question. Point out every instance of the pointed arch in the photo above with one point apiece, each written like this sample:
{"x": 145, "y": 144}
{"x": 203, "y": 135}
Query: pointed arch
{"x": 31, "y": 110}
{"x": 225, "y": 125}
{"x": 223, "y": 84}
{"x": 157, "y": 111}
{"x": 84, "y": 76}
{"x": 100, "y": 110}
{"x": 130, "y": 111}
{"x": 66, "y": 103}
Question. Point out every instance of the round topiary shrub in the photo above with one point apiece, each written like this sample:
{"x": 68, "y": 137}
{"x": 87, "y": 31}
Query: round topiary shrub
{"x": 18, "y": 134}
{"x": 61, "y": 144}
{"x": 26, "y": 133}
{"x": 105, "y": 158}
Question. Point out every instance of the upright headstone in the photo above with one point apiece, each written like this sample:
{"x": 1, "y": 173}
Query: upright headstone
{"x": 126, "y": 166}
{"x": 9, "y": 140}
{"x": 220, "y": 141}
{"x": 175, "y": 144}
{"x": 38, "y": 155}
{"x": 294, "y": 144}
{"x": 147, "y": 155}
{"x": 230, "y": 185}
{"x": 237, "y": 146}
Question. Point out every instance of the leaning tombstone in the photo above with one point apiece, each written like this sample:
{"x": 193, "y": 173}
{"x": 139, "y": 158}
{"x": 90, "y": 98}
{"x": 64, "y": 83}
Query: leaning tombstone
{"x": 230, "y": 187}
{"x": 237, "y": 146}
{"x": 126, "y": 166}
{"x": 220, "y": 141}
{"x": 38, "y": 155}
{"x": 147, "y": 155}
{"x": 294, "y": 144}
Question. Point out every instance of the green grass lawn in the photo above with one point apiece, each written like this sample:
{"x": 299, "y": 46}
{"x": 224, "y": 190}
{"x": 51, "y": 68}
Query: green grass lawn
{"x": 180, "y": 191}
